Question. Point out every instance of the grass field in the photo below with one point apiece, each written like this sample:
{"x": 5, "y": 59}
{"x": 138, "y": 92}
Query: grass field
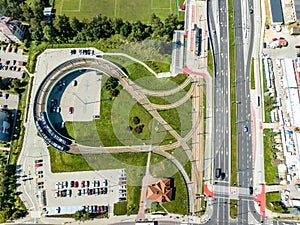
{"x": 115, "y": 115}
{"x": 128, "y": 10}
{"x": 270, "y": 170}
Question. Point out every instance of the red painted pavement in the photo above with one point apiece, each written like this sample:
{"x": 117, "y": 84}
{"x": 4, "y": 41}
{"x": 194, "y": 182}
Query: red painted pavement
{"x": 207, "y": 191}
{"x": 261, "y": 199}
{"x": 261, "y": 125}
{"x": 186, "y": 70}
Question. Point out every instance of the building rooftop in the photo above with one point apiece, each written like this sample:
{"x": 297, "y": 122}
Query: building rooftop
{"x": 297, "y": 9}
{"x": 161, "y": 191}
{"x": 276, "y": 11}
{"x": 4, "y": 125}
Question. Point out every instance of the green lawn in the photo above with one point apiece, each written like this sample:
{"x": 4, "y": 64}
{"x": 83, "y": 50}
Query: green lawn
{"x": 273, "y": 203}
{"x": 133, "y": 162}
{"x": 181, "y": 156}
{"x": 115, "y": 115}
{"x": 128, "y": 10}
{"x": 210, "y": 61}
{"x": 179, "y": 118}
{"x": 269, "y": 153}
{"x": 168, "y": 99}
{"x": 160, "y": 167}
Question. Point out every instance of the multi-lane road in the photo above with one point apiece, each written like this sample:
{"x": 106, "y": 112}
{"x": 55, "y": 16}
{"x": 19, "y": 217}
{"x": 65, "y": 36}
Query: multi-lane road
{"x": 218, "y": 20}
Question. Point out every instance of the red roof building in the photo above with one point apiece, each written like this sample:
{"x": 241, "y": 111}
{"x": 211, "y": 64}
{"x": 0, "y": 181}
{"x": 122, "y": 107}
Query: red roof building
{"x": 161, "y": 191}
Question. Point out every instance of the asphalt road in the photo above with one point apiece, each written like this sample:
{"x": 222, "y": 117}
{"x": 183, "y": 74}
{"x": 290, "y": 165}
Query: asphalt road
{"x": 221, "y": 136}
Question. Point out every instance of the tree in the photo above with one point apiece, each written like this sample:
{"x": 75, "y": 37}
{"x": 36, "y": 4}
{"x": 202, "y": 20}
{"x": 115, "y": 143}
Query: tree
{"x": 157, "y": 26}
{"x": 48, "y": 33}
{"x": 116, "y": 24}
{"x": 171, "y": 24}
{"x": 75, "y": 24}
{"x": 125, "y": 30}
{"x": 62, "y": 25}
{"x": 136, "y": 120}
{"x": 81, "y": 215}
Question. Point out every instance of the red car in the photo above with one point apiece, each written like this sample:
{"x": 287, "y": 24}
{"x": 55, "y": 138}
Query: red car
{"x": 40, "y": 183}
{"x": 71, "y": 109}
{"x": 38, "y": 164}
{"x": 82, "y": 184}
{"x": 274, "y": 39}
{"x": 76, "y": 184}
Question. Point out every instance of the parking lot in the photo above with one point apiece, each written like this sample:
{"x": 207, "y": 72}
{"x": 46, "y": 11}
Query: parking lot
{"x": 12, "y": 63}
{"x": 10, "y": 100}
{"x": 65, "y": 193}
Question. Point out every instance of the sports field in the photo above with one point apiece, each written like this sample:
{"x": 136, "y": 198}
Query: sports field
{"x": 131, "y": 10}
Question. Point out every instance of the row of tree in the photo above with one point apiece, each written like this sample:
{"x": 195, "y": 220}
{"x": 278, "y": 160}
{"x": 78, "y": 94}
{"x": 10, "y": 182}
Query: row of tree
{"x": 8, "y": 207}
{"x": 63, "y": 29}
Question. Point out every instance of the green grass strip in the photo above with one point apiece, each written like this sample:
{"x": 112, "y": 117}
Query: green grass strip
{"x": 233, "y": 208}
{"x": 252, "y": 75}
{"x": 233, "y": 179}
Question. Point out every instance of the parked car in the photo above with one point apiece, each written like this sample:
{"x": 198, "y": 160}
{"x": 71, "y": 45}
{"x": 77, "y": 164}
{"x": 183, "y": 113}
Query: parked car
{"x": 71, "y": 109}
{"x": 79, "y": 192}
{"x": 69, "y": 193}
{"x": 75, "y": 184}
{"x": 39, "y": 172}
{"x": 38, "y": 164}
{"x": 38, "y": 161}
{"x": 104, "y": 182}
{"x": 39, "y": 176}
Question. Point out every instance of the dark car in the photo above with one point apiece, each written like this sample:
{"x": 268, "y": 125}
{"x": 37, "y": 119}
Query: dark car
{"x": 267, "y": 26}
{"x": 223, "y": 175}
{"x": 265, "y": 44}
{"x": 251, "y": 11}
{"x": 38, "y": 161}
{"x": 218, "y": 172}
{"x": 251, "y": 190}
{"x": 72, "y": 183}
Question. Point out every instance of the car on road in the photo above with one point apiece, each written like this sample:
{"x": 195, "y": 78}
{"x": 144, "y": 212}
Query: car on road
{"x": 251, "y": 10}
{"x": 38, "y": 161}
{"x": 223, "y": 175}
{"x": 251, "y": 190}
{"x": 218, "y": 172}
{"x": 38, "y": 164}
{"x": 245, "y": 129}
